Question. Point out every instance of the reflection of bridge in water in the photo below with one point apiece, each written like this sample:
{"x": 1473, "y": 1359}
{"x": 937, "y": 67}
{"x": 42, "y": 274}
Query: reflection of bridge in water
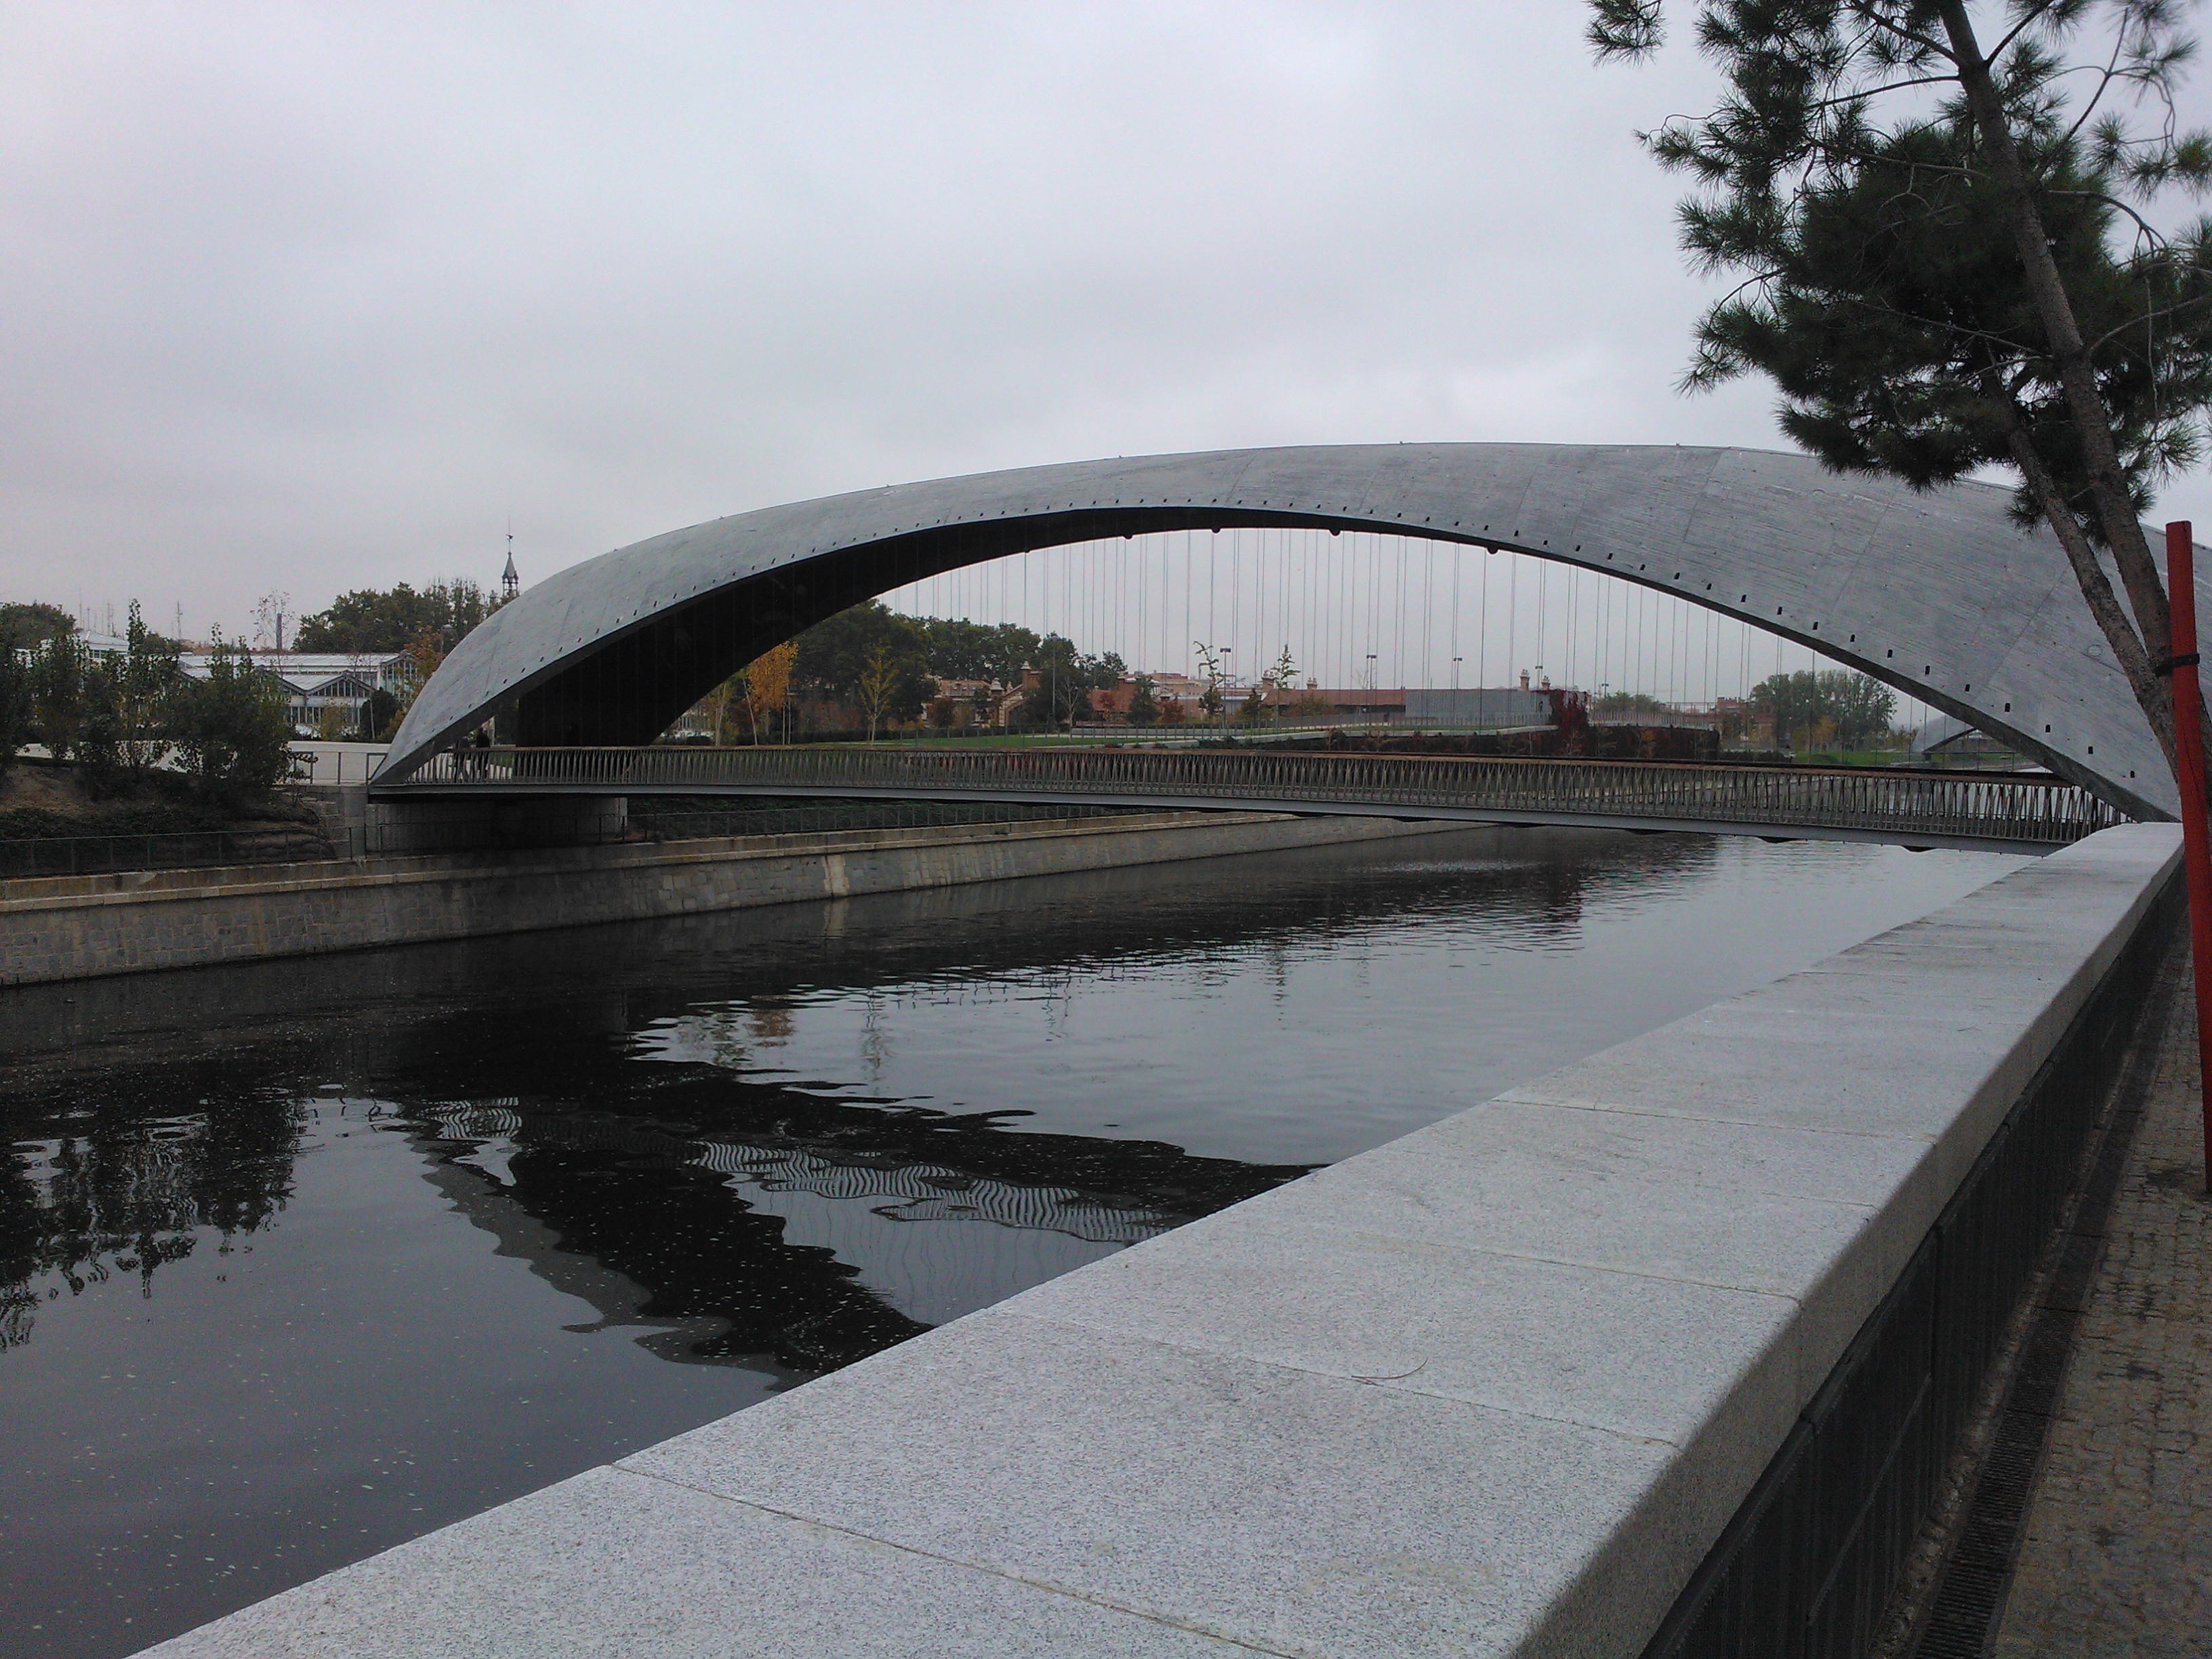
{"x": 791, "y": 1258}
{"x": 2013, "y": 812}
{"x": 904, "y": 1191}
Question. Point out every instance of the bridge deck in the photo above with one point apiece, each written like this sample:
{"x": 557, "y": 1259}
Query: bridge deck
{"x": 2007, "y": 812}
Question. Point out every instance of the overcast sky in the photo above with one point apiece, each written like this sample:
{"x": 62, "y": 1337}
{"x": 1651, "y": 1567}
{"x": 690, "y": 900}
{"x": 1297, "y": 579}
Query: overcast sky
{"x": 317, "y": 296}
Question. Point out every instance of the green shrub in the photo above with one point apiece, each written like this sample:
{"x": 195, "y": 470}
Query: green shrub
{"x": 15, "y": 704}
{"x": 231, "y": 728}
{"x": 57, "y": 671}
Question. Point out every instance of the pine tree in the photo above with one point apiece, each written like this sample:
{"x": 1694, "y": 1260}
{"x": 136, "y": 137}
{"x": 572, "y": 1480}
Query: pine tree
{"x": 1946, "y": 259}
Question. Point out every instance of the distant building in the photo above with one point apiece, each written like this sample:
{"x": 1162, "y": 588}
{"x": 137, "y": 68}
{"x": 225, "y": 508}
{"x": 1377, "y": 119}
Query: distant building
{"x": 1945, "y": 737}
{"x": 1495, "y": 706}
{"x": 315, "y": 681}
{"x": 1482, "y": 706}
{"x": 1181, "y": 686}
{"x": 956, "y": 703}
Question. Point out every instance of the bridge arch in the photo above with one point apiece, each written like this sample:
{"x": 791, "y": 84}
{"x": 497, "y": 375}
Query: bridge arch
{"x": 1939, "y": 594}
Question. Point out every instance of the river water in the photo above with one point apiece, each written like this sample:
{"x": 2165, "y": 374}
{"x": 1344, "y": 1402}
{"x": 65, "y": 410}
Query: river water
{"x": 299, "y": 1261}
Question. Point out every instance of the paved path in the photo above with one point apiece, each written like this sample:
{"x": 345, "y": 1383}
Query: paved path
{"x": 2117, "y": 1556}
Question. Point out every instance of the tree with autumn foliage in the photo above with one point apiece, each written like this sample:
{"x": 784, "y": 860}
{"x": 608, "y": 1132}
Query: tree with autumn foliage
{"x": 767, "y": 684}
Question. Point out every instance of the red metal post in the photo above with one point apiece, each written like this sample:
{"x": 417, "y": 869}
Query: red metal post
{"x": 2196, "y": 850}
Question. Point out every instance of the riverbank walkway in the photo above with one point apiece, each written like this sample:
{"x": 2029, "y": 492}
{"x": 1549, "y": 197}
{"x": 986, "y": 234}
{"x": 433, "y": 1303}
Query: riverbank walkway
{"x": 2116, "y": 1559}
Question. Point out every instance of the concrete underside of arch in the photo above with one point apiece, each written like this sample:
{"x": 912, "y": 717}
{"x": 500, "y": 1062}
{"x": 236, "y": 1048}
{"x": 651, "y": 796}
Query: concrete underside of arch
{"x": 1939, "y": 593}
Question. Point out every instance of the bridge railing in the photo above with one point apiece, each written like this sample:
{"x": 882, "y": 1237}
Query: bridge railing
{"x": 2034, "y": 810}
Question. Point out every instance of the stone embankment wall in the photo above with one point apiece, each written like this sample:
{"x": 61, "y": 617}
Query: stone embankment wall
{"x": 77, "y": 927}
{"x": 1666, "y": 1345}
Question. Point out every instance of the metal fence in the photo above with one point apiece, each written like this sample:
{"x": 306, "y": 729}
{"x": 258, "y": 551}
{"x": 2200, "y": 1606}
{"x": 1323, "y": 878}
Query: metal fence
{"x": 827, "y": 816}
{"x": 328, "y": 765}
{"x": 2033, "y": 811}
{"x": 92, "y": 855}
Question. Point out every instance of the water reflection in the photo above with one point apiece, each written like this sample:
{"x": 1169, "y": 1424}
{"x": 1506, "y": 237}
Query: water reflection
{"x": 123, "y": 1183}
{"x": 729, "y": 1221}
{"x": 794, "y": 1234}
{"x": 1525, "y": 890}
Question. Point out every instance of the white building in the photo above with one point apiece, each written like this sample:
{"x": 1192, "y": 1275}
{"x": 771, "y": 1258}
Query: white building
{"x": 316, "y": 681}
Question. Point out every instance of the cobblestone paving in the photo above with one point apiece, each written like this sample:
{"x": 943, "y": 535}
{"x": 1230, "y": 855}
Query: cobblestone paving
{"x": 2117, "y": 1556}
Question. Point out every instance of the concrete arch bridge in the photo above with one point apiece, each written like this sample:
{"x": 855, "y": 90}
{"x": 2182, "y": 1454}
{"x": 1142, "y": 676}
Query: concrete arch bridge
{"x": 1939, "y": 594}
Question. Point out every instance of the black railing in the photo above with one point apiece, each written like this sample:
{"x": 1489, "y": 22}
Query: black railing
{"x": 2030, "y": 809}
{"x": 818, "y": 818}
{"x": 94, "y": 856}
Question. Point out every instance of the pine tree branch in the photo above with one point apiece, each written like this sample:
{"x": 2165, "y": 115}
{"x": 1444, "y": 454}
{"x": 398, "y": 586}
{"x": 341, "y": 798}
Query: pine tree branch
{"x": 1843, "y": 99}
{"x": 1898, "y": 31}
{"x": 2104, "y": 82}
{"x": 2028, "y": 19}
{"x": 2144, "y": 229}
{"x": 2143, "y": 318}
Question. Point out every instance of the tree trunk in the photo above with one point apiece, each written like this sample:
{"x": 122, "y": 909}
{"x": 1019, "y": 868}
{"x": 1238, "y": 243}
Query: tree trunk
{"x": 2130, "y": 651}
{"x": 2077, "y": 374}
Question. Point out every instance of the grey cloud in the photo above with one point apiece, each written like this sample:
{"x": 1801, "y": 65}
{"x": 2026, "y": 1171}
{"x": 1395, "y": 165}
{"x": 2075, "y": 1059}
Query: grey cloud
{"x": 318, "y": 296}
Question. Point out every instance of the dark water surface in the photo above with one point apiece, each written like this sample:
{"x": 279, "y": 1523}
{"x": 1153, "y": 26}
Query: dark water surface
{"x": 299, "y": 1261}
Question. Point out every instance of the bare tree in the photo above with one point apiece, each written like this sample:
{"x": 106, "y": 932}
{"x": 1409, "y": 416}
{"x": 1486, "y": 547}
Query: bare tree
{"x": 273, "y": 611}
{"x": 880, "y": 683}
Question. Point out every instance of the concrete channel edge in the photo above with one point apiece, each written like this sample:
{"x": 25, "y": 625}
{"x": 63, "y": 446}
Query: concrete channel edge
{"x": 84, "y": 926}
